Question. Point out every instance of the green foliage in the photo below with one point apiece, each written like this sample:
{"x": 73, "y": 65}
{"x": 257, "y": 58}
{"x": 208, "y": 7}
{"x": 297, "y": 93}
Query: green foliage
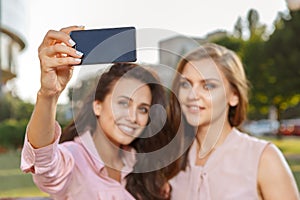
{"x": 271, "y": 62}
{"x": 251, "y": 53}
{"x": 238, "y": 28}
{"x": 82, "y": 88}
{"x": 14, "y": 108}
{"x": 231, "y": 42}
{"x": 283, "y": 56}
{"x": 7, "y": 106}
{"x": 12, "y": 133}
{"x": 14, "y": 116}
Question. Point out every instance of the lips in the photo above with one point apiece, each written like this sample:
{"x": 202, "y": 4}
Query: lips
{"x": 129, "y": 130}
{"x": 194, "y": 108}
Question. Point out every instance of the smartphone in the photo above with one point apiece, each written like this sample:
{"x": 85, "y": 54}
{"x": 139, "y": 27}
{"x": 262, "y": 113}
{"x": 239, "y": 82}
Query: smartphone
{"x": 107, "y": 45}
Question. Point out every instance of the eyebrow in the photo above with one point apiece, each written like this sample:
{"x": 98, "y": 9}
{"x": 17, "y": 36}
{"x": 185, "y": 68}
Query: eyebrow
{"x": 130, "y": 99}
{"x": 202, "y": 81}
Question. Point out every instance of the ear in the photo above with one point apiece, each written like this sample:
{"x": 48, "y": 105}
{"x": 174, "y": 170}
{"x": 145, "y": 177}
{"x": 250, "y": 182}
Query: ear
{"x": 97, "y": 108}
{"x": 234, "y": 99}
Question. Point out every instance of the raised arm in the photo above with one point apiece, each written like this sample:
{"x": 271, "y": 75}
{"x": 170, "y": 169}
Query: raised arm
{"x": 57, "y": 58}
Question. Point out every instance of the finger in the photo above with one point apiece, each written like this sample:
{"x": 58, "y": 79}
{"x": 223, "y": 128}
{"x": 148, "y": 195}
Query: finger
{"x": 67, "y": 61}
{"x": 67, "y": 30}
{"x": 53, "y": 62}
{"x": 60, "y": 50}
{"x": 52, "y": 36}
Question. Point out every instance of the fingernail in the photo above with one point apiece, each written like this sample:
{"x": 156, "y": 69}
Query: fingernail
{"x": 77, "y": 60}
{"x": 71, "y": 42}
{"x": 81, "y": 26}
{"x": 79, "y": 53}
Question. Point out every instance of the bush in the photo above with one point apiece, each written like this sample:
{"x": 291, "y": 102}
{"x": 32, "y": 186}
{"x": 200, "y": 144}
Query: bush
{"x": 12, "y": 107}
{"x": 12, "y": 133}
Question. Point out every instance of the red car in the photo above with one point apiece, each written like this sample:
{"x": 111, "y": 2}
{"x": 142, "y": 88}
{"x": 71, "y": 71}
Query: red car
{"x": 289, "y": 129}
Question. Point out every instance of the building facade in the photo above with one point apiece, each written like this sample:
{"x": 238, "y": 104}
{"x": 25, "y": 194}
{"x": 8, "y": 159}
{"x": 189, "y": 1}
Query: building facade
{"x": 12, "y": 38}
{"x": 171, "y": 50}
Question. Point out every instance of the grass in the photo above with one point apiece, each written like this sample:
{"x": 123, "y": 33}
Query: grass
{"x": 290, "y": 146}
{"x": 14, "y": 183}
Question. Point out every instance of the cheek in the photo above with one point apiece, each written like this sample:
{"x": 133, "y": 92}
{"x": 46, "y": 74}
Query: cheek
{"x": 218, "y": 97}
{"x": 117, "y": 112}
{"x": 143, "y": 119}
{"x": 219, "y": 104}
{"x": 182, "y": 95}
{"x": 108, "y": 117}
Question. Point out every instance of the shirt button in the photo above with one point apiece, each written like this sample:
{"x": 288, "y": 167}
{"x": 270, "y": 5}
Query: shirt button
{"x": 203, "y": 175}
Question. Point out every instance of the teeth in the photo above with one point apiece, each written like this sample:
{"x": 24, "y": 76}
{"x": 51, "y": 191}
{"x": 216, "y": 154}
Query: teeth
{"x": 194, "y": 108}
{"x": 126, "y": 129}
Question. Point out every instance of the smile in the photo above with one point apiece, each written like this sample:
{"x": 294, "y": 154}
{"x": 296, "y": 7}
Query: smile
{"x": 127, "y": 129}
{"x": 194, "y": 108}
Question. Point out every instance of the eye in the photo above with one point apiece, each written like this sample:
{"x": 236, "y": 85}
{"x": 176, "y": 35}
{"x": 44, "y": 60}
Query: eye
{"x": 184, "y": 84}
{"x": 123, "y": 103}
{"x": 209, "y": 86}
{"x": 144, "y": 110}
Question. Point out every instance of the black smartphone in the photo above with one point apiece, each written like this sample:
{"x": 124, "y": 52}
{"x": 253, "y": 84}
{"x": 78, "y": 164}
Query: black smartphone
{"x": 107, "y": 45}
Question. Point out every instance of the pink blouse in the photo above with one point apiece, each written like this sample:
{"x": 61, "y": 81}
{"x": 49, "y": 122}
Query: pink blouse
{"x": 74, "y": 170}
{"x": 230, "y": 173}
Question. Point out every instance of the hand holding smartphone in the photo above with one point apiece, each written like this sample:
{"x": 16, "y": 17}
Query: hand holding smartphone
{"x": 106, "y": 45}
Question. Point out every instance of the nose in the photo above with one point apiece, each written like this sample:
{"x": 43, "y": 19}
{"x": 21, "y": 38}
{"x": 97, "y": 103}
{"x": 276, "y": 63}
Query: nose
{"x": 194, "y": 93}
{"x": 132, "y": 114}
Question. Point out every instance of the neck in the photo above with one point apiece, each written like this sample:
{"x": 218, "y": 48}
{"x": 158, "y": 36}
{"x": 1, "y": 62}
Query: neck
{"x": 107, "y": 150}
{"x": 211, "y": 136}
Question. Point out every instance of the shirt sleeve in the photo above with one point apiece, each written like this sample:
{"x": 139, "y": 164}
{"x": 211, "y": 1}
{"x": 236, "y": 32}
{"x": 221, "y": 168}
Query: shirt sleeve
{"x": 51, "y": 165}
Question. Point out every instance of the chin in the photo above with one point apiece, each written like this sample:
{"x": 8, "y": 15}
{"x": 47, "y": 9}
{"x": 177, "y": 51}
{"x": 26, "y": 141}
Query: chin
{"x": 126, "y": 140}
{"x": 125, "y": 143}
{"x": 193, "y": 121}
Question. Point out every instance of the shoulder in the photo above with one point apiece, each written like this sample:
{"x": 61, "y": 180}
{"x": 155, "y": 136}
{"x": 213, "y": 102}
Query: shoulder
{"x": 272, "y": 153}
{"x": 275, "y": 179}
{"x": 243, "y": 139}
{"x": 272, "y": 161}
{"x": 74, "y": 148}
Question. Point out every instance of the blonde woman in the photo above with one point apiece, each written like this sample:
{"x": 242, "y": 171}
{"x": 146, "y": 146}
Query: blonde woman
{"x": 222, "y": 162}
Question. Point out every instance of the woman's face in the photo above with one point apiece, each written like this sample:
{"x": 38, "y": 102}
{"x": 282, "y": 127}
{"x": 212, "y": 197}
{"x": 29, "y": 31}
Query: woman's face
{"x": 124, "y": 113}
{"x": 204, "y": 93}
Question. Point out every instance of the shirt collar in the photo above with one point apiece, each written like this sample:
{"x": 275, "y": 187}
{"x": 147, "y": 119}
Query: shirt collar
{"x": 128, "y": 154}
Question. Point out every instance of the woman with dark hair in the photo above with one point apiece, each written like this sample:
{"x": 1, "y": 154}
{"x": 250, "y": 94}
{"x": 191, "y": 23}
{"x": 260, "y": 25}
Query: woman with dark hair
{"x": 211, "y": 91}
{"x": 96, "y": 157}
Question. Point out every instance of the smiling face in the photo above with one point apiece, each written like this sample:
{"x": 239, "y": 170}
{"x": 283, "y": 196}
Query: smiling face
{"x": 204, "y": 93}
{"x": 124, "y": 113}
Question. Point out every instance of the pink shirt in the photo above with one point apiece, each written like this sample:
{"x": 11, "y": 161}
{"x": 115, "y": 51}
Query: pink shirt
{"x": 74, "y": 170}
{"x": 230, "y": 173}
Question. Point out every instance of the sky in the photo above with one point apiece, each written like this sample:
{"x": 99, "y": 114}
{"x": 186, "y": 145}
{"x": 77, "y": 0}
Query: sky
{"x": 192, "y": 18}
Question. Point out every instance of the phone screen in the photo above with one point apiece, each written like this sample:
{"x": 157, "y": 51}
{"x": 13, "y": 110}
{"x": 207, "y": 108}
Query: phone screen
{"x": 106, "y": 45}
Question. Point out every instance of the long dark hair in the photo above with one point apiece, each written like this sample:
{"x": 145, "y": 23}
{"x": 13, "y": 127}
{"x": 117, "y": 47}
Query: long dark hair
{"x": 145, "y": 185}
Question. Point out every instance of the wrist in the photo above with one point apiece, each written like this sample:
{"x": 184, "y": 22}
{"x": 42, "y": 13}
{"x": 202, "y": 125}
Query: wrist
{"x": 49, "y": 96}
{"x": 42, "y": 93}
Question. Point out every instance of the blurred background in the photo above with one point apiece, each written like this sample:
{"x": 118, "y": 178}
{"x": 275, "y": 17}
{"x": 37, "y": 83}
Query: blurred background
{"x": 263, "y": 33}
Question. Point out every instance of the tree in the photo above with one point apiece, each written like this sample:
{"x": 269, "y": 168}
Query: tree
{"x": 283, "y": 57}
{"x": 12, "y": 107}
{"x": 272, "y": 62}
{"x": 255, "y": 28}
{"x": 238, "y": 28}
{"x": 14, "y": 116}
{"x": 251, "y": 52}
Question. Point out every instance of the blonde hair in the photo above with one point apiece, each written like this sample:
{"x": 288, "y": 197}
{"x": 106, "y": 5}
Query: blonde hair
{"x": 231, "y": 66}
